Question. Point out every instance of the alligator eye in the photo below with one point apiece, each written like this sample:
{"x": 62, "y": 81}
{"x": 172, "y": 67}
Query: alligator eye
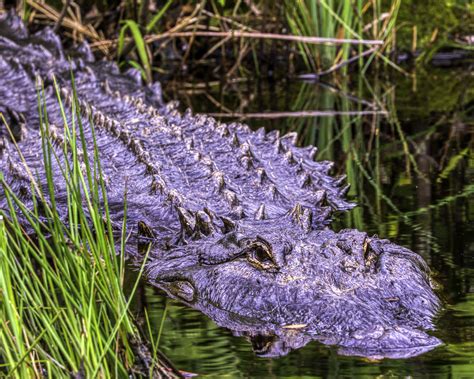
{"x": 259, "y": 255}
{"x": 262, "y": 255}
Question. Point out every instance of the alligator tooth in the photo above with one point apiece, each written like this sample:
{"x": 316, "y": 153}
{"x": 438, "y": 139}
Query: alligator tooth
{"x": 211, "y": 122}
{"x": 301, "y": 216}
{"x": 300, "y": 169}
{"x": 115, "y": 128}
{"x": 172, "y": 106}
{"x": 218, "y": 177}
{"x": 188, "y": 114}
{"x": 145, "y": 230}
{"x": 138, "y": 102}
{"x": 38, "y": 81}
{"x": 135, "y": 145}
{"x": 150, "y": 111}
{"x": 174, "y": 197}
{"x": 125, "y": 137}
{"x": 108, "y": 124}
{"x": 324, "y": 214}
{"x": 325, "y": 166}
{"x": 223, "y": 130}
{"x": 245, "y": 149}
{"x": 289, "y": 138}
{"x": 200, "y": 119}
{"x": 100, "y": 119}
{"x": 278, "y": 146}
{"x": 244, "y": 128}
{"x": 23, "y": 130}
{"x": 344, "y": 190}
{"x": 91, "y": 72}
{"x": 144, "y": 157}
{"x": 69, "y": 100}
{"x": 297, "y": 210}
{"x": 307, "y": 181}
{"x": 289, "y": 157}
{"x": 16, "y": 171}
{"x": 320, "y": 198}
{"x": 235, "y": 140}
{"x": 247, "y": 162}
{"x": 262, "y": 175}
{"x": 204, "y": 223}
{"x": 211, "y": 214}
{"x": 207, "y": 161}
{"x": 179, "y": 135}
{"x": 228, "y": 225}
{"x": 187, "y": 220}
{"x": 231, "y": 197}
{"x": 238, "y": 213}
{"x": 310, "y": 152}
{"x": 157, "y": 184}
{"x": 106, "y": 87}
{"x": 260, "y": 133}
{"x": 95, "y": 116}
{"x": 273, "y": 192}
{"x": 87, "y": 111}
{"x": 340, "y": 180}
{"x": 2, "y": 145}
{"x": 261, "y": 214}
{"x": 273, "y": 135}
{"x": 64, "y": 92}
{"x": 152, "y": 169}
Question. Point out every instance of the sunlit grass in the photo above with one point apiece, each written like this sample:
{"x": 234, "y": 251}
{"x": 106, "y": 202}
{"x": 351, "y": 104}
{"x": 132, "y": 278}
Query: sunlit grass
{"x": 63, "y": 310}
{"x": 144, "y": 66}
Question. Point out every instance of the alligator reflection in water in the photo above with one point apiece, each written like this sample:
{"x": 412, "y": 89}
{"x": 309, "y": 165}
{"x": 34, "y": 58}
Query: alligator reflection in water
{"x": 239, "y": 219}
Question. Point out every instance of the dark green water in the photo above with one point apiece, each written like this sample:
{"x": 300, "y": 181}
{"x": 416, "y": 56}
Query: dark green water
{"x": 412, "y": 174}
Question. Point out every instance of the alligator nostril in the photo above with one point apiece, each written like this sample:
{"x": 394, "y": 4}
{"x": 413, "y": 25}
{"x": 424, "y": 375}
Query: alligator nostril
{"x": 181, "y": 289}
{"x": 371, "y": 254}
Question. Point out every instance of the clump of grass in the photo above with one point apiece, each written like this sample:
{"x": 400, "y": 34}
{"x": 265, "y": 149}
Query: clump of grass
{"x": 63, "y": 311}
{"x": 343, "y": 19}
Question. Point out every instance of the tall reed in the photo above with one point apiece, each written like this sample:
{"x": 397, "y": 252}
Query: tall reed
{"x": 342, "y": 19}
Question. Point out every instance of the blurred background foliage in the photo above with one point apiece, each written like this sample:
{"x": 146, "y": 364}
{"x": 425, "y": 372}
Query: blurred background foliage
{"x": 178, "y": 36}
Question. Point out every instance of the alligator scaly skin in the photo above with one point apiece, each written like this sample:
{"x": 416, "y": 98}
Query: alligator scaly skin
{"x": 238, "y": 219}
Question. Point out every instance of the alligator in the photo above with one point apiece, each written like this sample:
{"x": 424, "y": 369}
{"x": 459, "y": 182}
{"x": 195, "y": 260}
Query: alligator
{"x": 237, "y": 221}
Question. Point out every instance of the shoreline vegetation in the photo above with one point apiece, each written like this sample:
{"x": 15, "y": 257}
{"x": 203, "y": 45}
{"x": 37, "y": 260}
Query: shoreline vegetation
{"x": 259, "y": 36}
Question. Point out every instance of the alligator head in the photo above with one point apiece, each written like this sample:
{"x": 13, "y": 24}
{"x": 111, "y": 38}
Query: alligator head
{"x": 282, "y": 285}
